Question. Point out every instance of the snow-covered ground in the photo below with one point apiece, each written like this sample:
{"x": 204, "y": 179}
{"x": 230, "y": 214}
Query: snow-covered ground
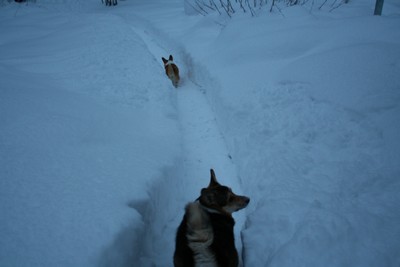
{"x": 99, "y": 153}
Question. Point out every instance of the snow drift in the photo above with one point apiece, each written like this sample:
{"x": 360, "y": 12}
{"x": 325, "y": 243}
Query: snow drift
{"x": 99, "y": 153}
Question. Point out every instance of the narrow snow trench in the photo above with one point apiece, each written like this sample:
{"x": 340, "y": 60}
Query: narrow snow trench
{"x": 203, "y": 147}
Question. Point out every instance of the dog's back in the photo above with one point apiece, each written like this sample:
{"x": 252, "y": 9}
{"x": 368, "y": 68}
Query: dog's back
{"x": 194, "y": 238}
{"x": 205, "y": 237}
{"x": 171, "y": 70}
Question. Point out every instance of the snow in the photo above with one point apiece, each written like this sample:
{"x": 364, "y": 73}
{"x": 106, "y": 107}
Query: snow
{"x": 99, "y": 153}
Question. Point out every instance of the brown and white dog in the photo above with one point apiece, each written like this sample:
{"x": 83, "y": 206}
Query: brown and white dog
{"x": 205, "y": 237}
{"x": 171, "y": 70}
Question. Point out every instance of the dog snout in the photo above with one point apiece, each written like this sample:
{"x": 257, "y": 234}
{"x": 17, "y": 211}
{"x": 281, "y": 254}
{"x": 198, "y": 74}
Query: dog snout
{"x": 243, "y": 200}
{"x": 246, "y": 200}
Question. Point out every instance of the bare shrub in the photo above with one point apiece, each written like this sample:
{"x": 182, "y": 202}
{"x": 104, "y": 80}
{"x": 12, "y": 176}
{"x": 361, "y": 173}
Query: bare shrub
{"x": 231, "y": 7}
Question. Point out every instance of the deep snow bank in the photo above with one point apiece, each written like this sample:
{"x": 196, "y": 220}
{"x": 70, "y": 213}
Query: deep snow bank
{"x": 310, "y": 108}
{"x": 88, "y": 123}
{"x": 308, "y": 105}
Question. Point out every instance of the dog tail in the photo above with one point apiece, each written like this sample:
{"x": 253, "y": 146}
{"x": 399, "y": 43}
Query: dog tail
{"x": 200, "y": 235}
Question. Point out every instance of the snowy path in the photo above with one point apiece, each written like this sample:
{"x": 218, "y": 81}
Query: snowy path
{"x": 203, "y": 147}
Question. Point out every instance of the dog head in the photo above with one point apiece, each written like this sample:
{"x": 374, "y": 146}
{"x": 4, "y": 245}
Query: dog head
{"x": 168, "y": 61}
{"x": 220, "y": 198}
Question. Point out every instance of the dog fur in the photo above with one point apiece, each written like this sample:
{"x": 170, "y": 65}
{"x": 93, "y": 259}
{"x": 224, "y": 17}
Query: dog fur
{"x": 171, "y": 70}
{"x": 205, "y": 237}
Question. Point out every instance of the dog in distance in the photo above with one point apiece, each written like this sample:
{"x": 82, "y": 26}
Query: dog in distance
{"x": 171, "y": 70}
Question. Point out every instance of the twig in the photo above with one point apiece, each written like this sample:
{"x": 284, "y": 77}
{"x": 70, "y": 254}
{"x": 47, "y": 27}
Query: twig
{"x": 323, "y": 4}
{"x": 339, "y": 5}
{"x": 250, "y": 8}
{"x": 200, "y": 8}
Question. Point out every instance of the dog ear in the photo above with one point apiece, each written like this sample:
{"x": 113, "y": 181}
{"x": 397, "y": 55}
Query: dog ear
{"x": 213, "y": 179}
{"x": 171, "y": 58}
{"x": 164, "y": 60}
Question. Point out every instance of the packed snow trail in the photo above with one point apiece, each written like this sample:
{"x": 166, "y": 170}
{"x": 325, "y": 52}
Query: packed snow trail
{"x": 203, "y": 147}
